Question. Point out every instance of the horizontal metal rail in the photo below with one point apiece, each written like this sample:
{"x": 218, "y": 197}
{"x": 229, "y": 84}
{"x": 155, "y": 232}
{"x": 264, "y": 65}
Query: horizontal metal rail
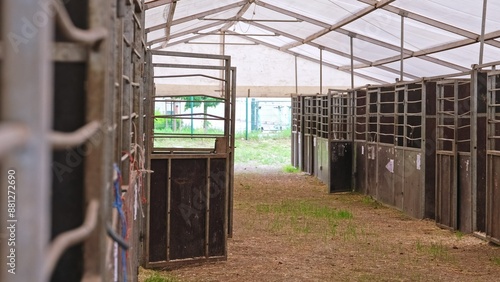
{"x": 88, "y": 37}
{"x": 63, "y": 140}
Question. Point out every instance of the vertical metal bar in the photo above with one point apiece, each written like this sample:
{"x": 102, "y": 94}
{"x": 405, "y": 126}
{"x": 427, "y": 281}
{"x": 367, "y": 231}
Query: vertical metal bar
{"x": 231, "y": 159}
{"x": 98, "y": 163}
{"x": 402, "y": 47}
{"x": 351, "y": 41}
{"x": 423, "y": 138}
{"x": 169, "y": 208}
{"x": 405, "y": 119}
{"x": 455, "y": 163}
{"x": 192, "y": 113}
{"x": 473, "y": 144}
{"x": 483, "y": 28}
{"x": 246, "y": 112}
{"x": 127, "y": 93}
{"x": 320, "y": 70}
{"x": 296, "y": 77}
{"x": 27, "y": 80}
{"x": 207, "y": 212}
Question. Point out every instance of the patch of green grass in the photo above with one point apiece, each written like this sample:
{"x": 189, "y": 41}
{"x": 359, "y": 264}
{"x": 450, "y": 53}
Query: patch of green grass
{"x": 263, "y": 152}
{"x": 350, "y": 232}
{"x": 436, "y": 250}
{"x": 290, "y": 169}
{"x": 369, "y": 201}
{"x": 308, "y": 209}
{"x": 495, "y": 260}
{"x": 459, "y": 234}
{"x": 263, "y": 208}
{"x": 160, "y": 278}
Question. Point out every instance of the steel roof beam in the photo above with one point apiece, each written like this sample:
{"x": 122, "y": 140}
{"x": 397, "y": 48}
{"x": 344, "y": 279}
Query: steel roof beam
{"x": 198, "y": 15}
{"x": 331, "y": 50}
{"x": 158, "y": 3}
{"x": 169, "y": 21}
{"x": 240, "y": 13}
{"x": 432, "y": 22}
{"x": 353, "y": 17}
{"x": 308, "y": 58}
{"x": 356, "y": 35}
{"x": 440, "y": 48}
{"x": 186, "y": 32}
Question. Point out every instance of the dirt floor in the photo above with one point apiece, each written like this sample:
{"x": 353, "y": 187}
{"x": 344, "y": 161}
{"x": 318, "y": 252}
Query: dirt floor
{"x": 288, "y": 228}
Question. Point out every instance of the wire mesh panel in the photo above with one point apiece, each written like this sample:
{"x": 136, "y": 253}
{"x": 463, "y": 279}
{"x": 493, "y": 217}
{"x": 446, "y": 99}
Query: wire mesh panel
{"x": 493, "y": 157}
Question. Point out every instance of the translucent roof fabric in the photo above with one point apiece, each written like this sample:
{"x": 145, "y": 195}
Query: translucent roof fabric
{"x": 435, "y": 37}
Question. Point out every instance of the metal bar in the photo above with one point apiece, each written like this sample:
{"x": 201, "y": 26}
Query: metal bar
{"x": 69, "y": 238}
{"x": 296, "y": 77}
{"x": 168, "y": 25}
{"x": 197, "y": 16}
{"x": 188, "y": 55}
{"x": 320, "y": 71}
{"x": 185, "y": 32}
{"x": 207, "y": 205}
{"x": 231, "y": 157}
{"x": 351, "y": 45}
{"x": 13, "y": 136}
{"x": 312, "y": 59}
{"x": 64, "y": 140}
{"x": 483, "y": 27}
{"x": 181, "y": 66}
{"x": 237, "y": 17}
{"x": 402, "y": 47}
{"x": 189, "y": 75}
{"x": 90, "y": 37}
{"x": 342, "y": 23}
{"x": 215, "y": 43}
{"x": 27, "y": 87}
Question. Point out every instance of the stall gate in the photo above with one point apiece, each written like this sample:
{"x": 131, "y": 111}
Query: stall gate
{"x": 296, "y": 131}
{"x": 390, "y": 154}
{"x": 322, "y": 166}
{"x": 360, "y": 138}
{"x": 493, "y": 158}
{"x": 189, "y": 216}
{"x": 341, "y": 141}
{"x": 309, "y": 134}
{"x": 453, "y": 159}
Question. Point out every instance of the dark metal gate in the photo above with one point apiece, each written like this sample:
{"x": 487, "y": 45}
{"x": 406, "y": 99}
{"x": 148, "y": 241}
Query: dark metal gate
{"x": 341, "y": 145}
{"x": 493, "y": 158}
{"x": 452, "y": 153}
{"x": 190, "y": 192}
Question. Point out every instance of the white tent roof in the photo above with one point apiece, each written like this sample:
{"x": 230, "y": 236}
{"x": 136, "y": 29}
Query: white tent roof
{"x": 440, "y": 37}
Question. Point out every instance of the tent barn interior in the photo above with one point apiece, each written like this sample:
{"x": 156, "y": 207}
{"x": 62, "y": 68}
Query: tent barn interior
{"x": 395, "y": 99}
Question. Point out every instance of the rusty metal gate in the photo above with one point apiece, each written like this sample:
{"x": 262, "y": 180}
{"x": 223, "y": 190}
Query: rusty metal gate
{"x": 190, "y": 190}
{"x": 453, "y": 186}
{"x": 493, "y": 158}
{"x": 341, "y": 141}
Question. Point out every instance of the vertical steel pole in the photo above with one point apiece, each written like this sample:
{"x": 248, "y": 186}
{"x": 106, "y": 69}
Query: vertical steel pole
{"x": 27, "y": 79}
{"x": 296, "y": 77}
{"x": 246, "y": 112}
{"x": 483, "y": 27}
{"x": 402, "y": 47}
{"x": 320, "y": 70}
{"x": 352, "y": 61}
{"x": 192, "y": 122}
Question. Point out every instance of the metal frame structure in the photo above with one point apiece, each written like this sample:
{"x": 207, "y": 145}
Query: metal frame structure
{"x": 191, "y": 217}
{"x": 389, "y": 6}
{"x": 65, "y": 133}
